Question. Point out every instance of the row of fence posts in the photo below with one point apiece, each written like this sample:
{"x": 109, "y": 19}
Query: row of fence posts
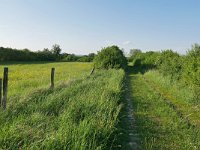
{"x": 4, "y": 85}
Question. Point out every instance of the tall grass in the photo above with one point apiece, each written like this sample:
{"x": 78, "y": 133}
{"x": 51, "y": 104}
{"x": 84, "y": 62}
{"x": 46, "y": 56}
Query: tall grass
{"x": 174, "y": 87}
{"x": 81, "y": 114}
{"x": 180, "y": 95}
{"x": 158, "y": 125}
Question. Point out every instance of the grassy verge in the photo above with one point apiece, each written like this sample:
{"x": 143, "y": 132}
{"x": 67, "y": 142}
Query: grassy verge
{"x": 157, "y": 124}
{"x": 181, "y": 96}
{"x": 78, "y": 115}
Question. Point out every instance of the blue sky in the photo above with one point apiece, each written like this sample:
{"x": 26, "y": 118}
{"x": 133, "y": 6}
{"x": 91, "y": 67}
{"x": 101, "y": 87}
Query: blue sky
{"x": 84, "y": 26}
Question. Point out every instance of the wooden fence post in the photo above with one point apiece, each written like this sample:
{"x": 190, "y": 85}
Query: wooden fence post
{"x": 0, "y": 91}
{"x": 52, "y": 77}
{"x": 5, "y": 87}
{"x": 92, "y": 71}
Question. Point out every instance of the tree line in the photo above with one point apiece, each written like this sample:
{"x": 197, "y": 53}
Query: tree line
{"x": 184, "y": 68}
{"x": 54, "y": 54}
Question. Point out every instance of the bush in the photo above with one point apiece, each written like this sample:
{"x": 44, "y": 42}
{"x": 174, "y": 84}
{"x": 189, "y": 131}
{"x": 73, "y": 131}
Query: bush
{"x": 170, "y": 63}
{"x": 110, "y": 57}
{"x": 146, "y": 61}
{"x": 191, "y": 67}
{"x": 184, "y": 68}
{"x": 191, "y": 70}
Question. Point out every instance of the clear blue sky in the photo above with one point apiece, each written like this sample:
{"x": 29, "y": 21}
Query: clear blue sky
{"x": 83, "y": 26}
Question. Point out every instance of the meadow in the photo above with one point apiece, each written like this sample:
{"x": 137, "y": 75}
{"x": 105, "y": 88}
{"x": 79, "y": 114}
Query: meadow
{"x": 81, "y": 112}
{"x": 148, "y": 104}
{"x": 27, "y": 76}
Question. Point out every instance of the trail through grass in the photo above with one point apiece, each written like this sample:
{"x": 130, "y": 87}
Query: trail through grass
{"x": 179, "y": 95}
{"x": 157, "y": 124}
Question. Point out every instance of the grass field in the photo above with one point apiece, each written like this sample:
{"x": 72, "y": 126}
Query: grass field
{"x": 77, "y": 114}
{"x": 92, "y": 112}
{"x": 27, "y": 76}
{"x": 157, "y": 123}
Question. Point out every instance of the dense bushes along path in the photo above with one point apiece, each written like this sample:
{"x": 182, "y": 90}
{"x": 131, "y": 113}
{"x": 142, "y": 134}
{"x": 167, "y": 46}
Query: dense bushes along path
{"x": 157, "y": 125}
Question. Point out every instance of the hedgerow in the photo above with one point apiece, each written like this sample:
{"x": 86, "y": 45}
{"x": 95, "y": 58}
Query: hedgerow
{"x": 184, "y": 68}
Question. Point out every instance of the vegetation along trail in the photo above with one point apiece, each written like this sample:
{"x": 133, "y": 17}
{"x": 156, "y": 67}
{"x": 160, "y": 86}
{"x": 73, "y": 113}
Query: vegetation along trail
{"x": 157, "y": 125}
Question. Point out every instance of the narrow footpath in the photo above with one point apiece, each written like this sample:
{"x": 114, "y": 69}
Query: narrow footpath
{"x": 128, "y": 137}
{"x": 147, "y": 122}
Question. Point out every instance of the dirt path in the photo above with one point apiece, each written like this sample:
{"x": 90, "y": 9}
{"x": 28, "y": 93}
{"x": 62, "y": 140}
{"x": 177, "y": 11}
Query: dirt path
{"x": 128, "y": 136}
{"x": 129, "y": 118}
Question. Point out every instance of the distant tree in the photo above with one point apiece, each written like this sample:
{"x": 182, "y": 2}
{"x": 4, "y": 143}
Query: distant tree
{"x": 56, "y": 50}
{"x": 46, "y": 50}
{"x": 70, "y": 58}
{"x": 26, "y": 50}
{"x": 133, "y": 53}
{"x": 84, "y": 58}
{"x": 45, "y": 55}
{"x": 91, "y": 56}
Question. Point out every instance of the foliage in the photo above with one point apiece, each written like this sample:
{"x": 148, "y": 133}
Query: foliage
{"x": 56, "y": 50}
{"x": 9, "y": 54}
{"x": 110, "y": 57}
{"x": 86, "y": 58}
{"x": 184, "y": 68}
{"x": 147, "y": 60}
{"x": 170, "y": 63}
{"x": 133, "y": 53}
{"x": 73, "y": 58}
{"x": 70, "y": 58}
{"x": 191, "y": 66}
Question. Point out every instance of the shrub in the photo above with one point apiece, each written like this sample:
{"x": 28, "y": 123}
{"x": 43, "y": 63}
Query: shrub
{"x": 146, "y": 61}
{"x": 191, "y": 70}
{"x": 191, "y": 66}
{"x": 170, "y": 63}
{"x": 110, "y": 57}
{"x": 185, "y": 68}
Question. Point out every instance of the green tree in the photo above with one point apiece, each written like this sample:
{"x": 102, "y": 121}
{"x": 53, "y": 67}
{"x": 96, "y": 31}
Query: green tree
{"x": 56, "y": 50}
{"x": 110, "y": 57}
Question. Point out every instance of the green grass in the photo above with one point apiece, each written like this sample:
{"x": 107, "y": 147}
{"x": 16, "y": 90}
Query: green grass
{"x": 157, "y": 124}
{"x": 174, "y": 87}
{"x": 27, "y": 76}
{"x": 181, "y": 96}
{"x": 81, "y": 114}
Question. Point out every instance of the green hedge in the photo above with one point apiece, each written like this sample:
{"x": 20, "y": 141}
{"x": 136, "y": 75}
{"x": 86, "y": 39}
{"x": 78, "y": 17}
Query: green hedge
{"x": 185, "y": 68}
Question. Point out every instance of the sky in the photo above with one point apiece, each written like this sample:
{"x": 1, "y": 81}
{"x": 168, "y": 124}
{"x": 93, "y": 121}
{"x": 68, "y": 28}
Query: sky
{"x": 85, "y": 26}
